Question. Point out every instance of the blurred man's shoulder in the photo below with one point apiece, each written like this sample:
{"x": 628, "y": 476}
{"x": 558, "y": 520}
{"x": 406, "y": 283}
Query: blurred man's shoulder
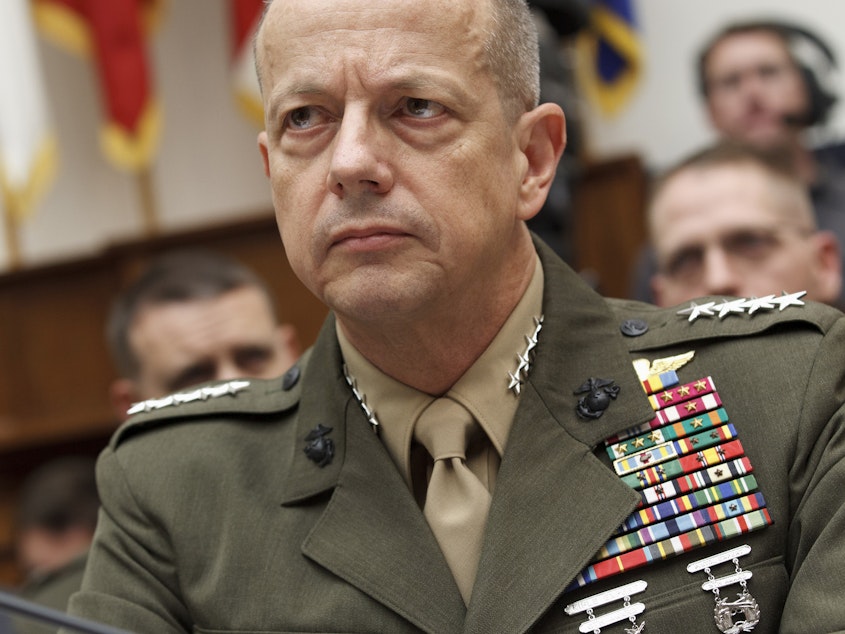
{"x": 221, "y": 403}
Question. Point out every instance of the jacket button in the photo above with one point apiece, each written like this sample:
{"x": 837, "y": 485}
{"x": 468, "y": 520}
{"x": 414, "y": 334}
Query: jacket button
{"x": 290, "y": 378}
{"x": 633, "y": 327}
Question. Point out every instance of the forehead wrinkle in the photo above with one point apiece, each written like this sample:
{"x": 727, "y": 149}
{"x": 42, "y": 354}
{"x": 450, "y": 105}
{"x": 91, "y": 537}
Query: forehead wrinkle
{"x": 408, "y": 76}
{"x": 470, "y": 38}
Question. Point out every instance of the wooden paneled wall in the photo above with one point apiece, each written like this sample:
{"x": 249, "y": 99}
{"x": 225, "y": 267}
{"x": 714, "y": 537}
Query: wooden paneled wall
{"x": 609, "y": 226}
{"x": 55, "y": 369}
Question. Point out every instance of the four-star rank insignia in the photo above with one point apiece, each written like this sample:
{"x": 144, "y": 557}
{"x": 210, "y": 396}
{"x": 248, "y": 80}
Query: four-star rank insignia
{"x": 227, "y": 388}
{"x": 739, "y": 306}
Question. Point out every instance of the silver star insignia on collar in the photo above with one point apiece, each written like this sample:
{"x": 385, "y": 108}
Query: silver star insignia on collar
{"x": 515, "y": 382}
{"x": 517, "y": 378}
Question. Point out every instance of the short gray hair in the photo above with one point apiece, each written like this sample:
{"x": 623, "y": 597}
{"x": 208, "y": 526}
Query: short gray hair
{"x": 512, "y": 51}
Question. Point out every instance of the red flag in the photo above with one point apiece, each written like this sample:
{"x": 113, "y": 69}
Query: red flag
{"x": 114, "y": 34}
{"x": 245, "y": 17}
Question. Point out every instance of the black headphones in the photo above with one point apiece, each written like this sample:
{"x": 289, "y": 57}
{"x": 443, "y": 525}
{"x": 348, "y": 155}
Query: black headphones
{"x": 812, "y": 55}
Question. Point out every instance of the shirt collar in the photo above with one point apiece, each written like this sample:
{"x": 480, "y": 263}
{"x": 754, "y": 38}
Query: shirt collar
{"x": 483, "y": 389}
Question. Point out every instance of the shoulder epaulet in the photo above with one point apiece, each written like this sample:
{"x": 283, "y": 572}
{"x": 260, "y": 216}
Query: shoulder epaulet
{"x": 223, "y": 399}
{"x": 714, "y": 317}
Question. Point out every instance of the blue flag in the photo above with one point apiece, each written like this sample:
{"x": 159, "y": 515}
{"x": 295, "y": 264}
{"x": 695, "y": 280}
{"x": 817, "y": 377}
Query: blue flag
{"x": 610, "y": 54}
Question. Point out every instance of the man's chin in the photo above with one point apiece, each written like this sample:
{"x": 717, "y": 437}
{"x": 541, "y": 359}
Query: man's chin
{"x": 385, "y": 298}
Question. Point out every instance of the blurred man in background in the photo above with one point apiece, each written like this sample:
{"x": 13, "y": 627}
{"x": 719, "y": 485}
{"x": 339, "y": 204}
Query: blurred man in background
{"x": 55, "y": 525}
{"x": 734, "y": 221}
{"x": 768, "y": 84}
{"x": 193, "y": 317}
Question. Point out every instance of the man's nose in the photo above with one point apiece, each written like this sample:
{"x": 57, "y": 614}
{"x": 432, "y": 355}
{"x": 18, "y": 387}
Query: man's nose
{"x": 359, "y": 162}
{"x": 720, "y": 275}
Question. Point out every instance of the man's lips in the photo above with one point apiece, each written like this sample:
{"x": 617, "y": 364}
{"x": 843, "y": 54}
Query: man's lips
{"x": 368, "y": 239}
{"x": 759, "y": 117}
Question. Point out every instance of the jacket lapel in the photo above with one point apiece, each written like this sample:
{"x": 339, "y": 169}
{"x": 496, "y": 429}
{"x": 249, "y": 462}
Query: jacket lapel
{"x": 372, "y": 534}
{"x": 556, "y": 503}
{"x": 554, "y": 506}
{"x": 542, "y": 528}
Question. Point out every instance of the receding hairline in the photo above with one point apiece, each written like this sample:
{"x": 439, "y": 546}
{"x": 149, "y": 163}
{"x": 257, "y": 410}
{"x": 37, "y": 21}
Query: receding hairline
{"x": 175, "y": 278}
{"x": 505, "y": 53}
{"x": 791, "y": 200}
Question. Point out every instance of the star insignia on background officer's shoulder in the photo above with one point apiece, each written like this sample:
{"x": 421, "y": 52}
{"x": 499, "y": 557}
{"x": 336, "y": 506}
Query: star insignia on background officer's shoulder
{"x": 228, "y": 388}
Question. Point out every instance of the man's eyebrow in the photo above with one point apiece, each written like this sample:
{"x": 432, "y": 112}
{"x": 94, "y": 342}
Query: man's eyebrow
{"x": 412, "y": 83}
{"x": 424, "y": 82}
{"x": 280, "y": 96}
{"x": 187, "y": 375}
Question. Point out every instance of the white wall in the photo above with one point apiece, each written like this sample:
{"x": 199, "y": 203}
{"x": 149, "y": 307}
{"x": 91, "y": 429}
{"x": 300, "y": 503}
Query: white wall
{"x": 664, "y": 120}
{"x": 208, "y": 168}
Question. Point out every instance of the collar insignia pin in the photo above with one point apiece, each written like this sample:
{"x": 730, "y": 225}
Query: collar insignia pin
{"x": 320, "y": 448}
{"x": 362, "y": 400}
{"x": 518, "y": 376}
{"x": 599, "y": 393}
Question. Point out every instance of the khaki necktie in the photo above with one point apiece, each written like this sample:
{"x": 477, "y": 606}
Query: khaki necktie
{"x": 456, "y": 502}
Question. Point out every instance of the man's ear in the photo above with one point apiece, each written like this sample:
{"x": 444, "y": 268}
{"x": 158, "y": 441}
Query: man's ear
{"x": 542, "y": 138}
{"x": 122, "y": 393}
{"x": 265, "y": 151}
{"x": 829, "y": 267}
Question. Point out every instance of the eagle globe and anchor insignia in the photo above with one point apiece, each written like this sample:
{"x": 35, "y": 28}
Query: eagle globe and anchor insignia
{"x": 599, "y": 393}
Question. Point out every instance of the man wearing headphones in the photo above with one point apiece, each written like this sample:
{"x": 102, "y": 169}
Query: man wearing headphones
{"x": 764, "y": 85}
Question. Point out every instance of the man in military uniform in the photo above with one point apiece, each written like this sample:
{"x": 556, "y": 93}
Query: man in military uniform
{"x": 191, "y": 317}
{"x": 55, "y": 525}
{"x": 456, "y": 453}
{"x": 734, "y": 220}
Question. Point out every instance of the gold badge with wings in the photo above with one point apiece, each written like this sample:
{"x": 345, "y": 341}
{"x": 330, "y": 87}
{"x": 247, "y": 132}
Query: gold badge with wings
{"x": 645, "y": 368}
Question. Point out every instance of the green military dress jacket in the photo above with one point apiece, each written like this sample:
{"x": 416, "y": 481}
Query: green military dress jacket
{"x": 215, "y": 520}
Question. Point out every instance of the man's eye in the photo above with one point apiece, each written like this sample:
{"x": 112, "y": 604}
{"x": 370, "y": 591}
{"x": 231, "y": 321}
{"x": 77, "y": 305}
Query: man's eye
{"x": 253, "y": 359}
{"x": 770, "y": 71}
{"x": 727, "y": 83}
{"x": 751, "y": 245}
{"x": 684, "y": 264}
{"x": 422, "y": 108}
{"x": 302, "y": 118}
